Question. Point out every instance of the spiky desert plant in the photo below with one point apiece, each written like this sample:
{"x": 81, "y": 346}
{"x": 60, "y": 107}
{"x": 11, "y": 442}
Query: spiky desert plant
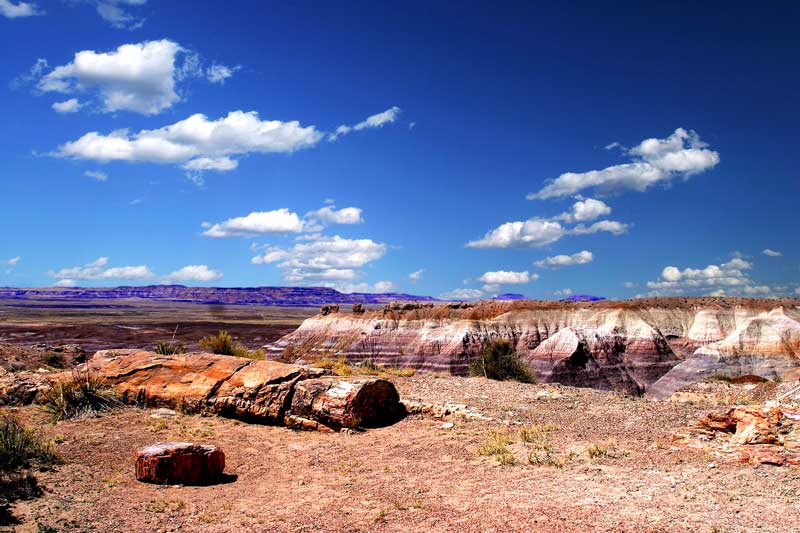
{"x": 82, "y": 395}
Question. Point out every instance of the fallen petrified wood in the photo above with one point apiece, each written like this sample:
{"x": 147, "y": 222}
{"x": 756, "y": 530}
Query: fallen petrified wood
{"x": 265, "y": 392}
{"x": 757, "y": 434}
{"x": 179, "y": 463}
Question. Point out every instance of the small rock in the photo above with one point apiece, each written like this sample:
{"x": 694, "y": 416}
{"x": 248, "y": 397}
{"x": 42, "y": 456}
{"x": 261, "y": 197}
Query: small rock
{"x": 164, "y": 413}
{"x": 712, "y": 465}
{"x": 447, "y": 425}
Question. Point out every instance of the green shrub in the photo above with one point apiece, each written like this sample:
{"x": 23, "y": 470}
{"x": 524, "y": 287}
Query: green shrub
{"x": 222, "y": 344}
{"x": 81, "y": 395}
{"x": 501, "y": 362}
{"x": 21, "y": 447}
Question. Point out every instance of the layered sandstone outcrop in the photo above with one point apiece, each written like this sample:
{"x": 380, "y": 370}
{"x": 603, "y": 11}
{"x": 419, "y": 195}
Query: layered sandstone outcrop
{"x": 650, "y": 346}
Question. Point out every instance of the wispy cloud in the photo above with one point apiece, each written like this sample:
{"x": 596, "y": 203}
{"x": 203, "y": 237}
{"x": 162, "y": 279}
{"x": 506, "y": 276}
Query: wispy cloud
{"x": 13, "y": 10}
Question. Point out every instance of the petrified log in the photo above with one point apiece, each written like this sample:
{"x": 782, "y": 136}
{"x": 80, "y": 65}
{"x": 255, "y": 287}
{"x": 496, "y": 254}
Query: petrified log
{"x": 21, "y": 388}
{"x": 265, "y": 392}
{"x": 179, "y": 463}
{"x": 758, "y": 434}
{"x": 339, "y": 403}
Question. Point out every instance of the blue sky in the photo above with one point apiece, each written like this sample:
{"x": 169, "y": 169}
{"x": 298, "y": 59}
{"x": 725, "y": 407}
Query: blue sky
{"x": 434, "y": 148}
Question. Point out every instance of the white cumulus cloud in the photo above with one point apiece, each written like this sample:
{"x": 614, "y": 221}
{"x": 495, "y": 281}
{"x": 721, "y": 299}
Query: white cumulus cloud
{"x": 323, "y": 258}
{"x": 585, "y": 211}
{"x": 771, "y": 253}
{"x": 557, "y": 261}
{"x": 197, "y": 273}
{"x": 96, "y": 270}
{"x": 537, "y": 231}
{"x": 256, "y": 223}
{"x": 135, "y": 77}
{"x": 505, "y": 277}
{"x": 652, "y": 161}
{"x": 729, "y": 278}
{"x": 462, "y": 294}
{"x": 12, "y": 262}
{"x": 195, "y": 137}
{"x": 330, "y": 215}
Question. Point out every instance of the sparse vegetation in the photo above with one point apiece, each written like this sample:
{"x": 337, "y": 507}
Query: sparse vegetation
{"x": 21, "y": 447}
{"x": 223, "y": 344}
{"x": 81, "y": 395}
{"x": 20, "y": 450}
{"x": 169, "y": 348}
{"x": 542, "y": 453}
{"x": 499, "y": 361}
{"x": 597, "y": 450}
{"x": 496, "y": 445}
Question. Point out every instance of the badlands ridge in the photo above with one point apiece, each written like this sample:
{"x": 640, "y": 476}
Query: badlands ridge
{"x": 648, "y": 347}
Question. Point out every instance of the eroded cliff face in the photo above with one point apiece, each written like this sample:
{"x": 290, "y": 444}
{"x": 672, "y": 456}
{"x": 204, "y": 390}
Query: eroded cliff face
{"x": 648, "y": 347}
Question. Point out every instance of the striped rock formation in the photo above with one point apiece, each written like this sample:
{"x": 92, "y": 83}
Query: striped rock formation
{"x": 648, "y": 346}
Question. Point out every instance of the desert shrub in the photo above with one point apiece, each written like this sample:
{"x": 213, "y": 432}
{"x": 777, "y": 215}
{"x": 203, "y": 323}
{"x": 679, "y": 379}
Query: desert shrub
{"x": 81, "y": 395}
{"x": 597, "y": 450}
{"x": 222, "y": 344}
{"x": 21, "y": 447}
{"x": 55, "y": 360}
{"x": 536, "y": 435}
{"x": 20, "y": 450}
{"x": 169, "y": 348}
{"x": 500, "y": 361}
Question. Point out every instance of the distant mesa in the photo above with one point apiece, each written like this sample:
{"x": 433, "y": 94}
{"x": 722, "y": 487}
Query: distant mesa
{"x": 510, "y": 296}
{"x": 283, "y": 296}
{"x": 583, "y": 298}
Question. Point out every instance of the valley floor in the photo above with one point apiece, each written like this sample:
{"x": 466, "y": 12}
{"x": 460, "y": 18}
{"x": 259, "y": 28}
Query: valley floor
{"x": 418, "y": 475}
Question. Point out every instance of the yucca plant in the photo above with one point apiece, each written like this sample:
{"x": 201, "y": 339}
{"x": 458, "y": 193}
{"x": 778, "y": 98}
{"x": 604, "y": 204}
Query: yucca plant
{"x": 80, "y": 396}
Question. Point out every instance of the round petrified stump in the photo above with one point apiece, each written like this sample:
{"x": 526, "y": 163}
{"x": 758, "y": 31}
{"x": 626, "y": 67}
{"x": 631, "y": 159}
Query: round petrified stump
{"x": 179, "y": 463}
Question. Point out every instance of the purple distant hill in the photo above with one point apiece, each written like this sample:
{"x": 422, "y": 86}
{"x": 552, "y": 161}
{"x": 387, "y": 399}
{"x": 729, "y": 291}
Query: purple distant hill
{"x": 283, "y": 296}
{"x": 583, "y": 298}
{"x": 510, "y": 296}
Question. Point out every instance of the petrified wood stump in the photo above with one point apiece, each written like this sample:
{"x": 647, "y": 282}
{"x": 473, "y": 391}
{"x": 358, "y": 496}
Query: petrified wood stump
{"x": 179, "y": 463}
{"x": 347, "y": 403}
